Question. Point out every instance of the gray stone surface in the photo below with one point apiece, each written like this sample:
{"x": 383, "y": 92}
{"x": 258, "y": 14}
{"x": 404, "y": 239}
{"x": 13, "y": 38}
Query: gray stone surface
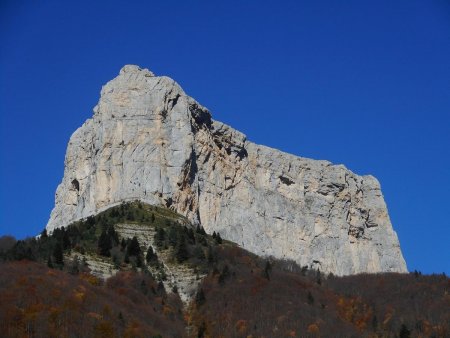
{"x": 183, "y": 277}
{"x": 148, "y": 140}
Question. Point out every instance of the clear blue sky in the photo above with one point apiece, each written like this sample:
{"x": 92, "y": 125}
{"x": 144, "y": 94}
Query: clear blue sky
{"x": 363, "y": 83}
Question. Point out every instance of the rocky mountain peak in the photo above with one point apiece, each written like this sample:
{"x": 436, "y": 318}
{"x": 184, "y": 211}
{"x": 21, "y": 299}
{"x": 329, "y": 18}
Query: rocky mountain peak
{"x": 135, "y": 69}
{"x": 149, "y": 141}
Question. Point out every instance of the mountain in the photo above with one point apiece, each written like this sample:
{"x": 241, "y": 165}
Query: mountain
{"x": 149, "y": 141}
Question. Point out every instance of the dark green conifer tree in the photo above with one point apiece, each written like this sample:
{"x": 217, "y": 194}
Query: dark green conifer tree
{"x": 90, "y": 221}
{"x": 266, "y": 271}
{"x": 49, "y": 262}
{"x": 200, "y": 230}
{"x": 144, "y": 288}
{"x": 374, "y": 323}
{"x": 218, "y": 239}
{"x": 160, "y": 238}
{"x": 114, "y": 213}
{"x": 44, "y": 234}
{"x": 310, "y": 298}
{"x": 211, "y": 256}
{"x": 151, "y": 255}
{"x": 318, "y": 277}
{"x": 200, "y": 297}
{"x": 104, "y": 244}
{"x": 160, "y": 289}
{"x": 133, "y": 248}
{"x": 198, "y": 252}
{"x": 404, "y": 332}
{"x": 224, "y": 274}
{"x": 181, "y": 251}
{"x": 139, "y": 261}
{"x": 130, "y": 216}
{"x": 65, "y": 240}
{"x": 121, "y": 319}
{"x": 113, "y": 235}
{"x": 58, "y": 255}
{"x": 191, "y": 236}
{"x": 173, "y": 236}
{"x": 201, "y": 330}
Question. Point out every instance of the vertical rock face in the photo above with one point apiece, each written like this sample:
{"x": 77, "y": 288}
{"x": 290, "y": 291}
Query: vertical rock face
{"x": 148, "y": 140}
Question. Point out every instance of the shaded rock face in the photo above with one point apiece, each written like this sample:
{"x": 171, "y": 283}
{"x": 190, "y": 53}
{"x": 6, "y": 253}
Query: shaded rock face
{"x": 148, "y": 140}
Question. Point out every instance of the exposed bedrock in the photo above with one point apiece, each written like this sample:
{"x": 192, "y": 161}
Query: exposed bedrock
{"x": 148, "y": 140}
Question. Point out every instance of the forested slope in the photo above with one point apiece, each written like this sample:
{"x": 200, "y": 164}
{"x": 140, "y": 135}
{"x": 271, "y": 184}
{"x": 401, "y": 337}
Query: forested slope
{"x": 49, "y": 288}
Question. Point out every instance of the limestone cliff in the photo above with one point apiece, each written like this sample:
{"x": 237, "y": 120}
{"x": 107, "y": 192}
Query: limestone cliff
{"x": 148, "y": 140}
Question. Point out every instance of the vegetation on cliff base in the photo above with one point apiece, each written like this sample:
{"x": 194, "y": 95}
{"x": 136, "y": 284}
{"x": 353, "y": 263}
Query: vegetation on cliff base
{"x": 242, "y": 295}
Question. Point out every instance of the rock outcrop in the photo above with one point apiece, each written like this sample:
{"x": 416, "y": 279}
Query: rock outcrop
{"x": 148, "y": 140}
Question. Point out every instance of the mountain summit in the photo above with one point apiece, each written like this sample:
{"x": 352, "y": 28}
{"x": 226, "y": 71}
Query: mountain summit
{"x": 149, "y": 141}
